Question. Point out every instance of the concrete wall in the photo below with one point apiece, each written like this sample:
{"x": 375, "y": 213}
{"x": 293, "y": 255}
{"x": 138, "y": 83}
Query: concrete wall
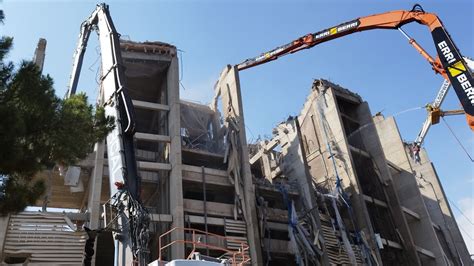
{"x": 321, "y": 110}
{"x": 175, "y": 177}
{"x": 427, "y": 231}
{"x": 373, "y": 146}
{"x": 296, "y": 169}
{"x": 228, "y": 87}
{"x": 419, "y": 191}
{"x": 438, "y": 208}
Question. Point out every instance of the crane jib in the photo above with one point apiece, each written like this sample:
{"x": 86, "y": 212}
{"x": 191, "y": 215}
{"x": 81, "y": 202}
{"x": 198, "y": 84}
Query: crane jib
{"x": 318, "y": 37}
{"x": 457, "y": 71}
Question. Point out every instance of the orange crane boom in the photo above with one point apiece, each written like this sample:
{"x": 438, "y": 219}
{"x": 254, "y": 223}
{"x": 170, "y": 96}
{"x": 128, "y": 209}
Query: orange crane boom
{"x": 449, "y": 63}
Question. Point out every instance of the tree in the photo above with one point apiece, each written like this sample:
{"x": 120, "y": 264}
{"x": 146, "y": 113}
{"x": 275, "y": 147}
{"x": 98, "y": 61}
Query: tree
{"x": 39, "y": 130}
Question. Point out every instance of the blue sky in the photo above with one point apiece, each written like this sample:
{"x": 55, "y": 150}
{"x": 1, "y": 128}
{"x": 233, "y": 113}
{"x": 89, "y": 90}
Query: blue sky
{"x": 380, "y": 65}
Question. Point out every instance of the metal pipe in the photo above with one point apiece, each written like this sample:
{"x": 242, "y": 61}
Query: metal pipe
{"x": 421, "y": 51}
{"x": 159, "y": 249}
{"x": 404, "y": 33}
{"x": 205, "y": 205}
{"x": 116, "y": 252}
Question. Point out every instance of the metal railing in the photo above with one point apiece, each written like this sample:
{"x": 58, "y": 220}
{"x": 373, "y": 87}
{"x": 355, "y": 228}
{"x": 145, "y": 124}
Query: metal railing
{"x": 237, "y": 257}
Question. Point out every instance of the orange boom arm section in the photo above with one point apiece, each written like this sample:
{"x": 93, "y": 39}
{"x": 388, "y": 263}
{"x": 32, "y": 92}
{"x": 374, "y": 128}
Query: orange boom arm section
{"x": 449, "y": 62}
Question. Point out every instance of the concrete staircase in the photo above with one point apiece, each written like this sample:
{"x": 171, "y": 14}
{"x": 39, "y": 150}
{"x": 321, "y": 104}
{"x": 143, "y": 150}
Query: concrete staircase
{"x": 236, "y": 233}
{"x": 335, "y": 248}
{"x": 43, "y": 239}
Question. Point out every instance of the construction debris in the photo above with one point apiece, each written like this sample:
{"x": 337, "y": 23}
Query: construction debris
{"x": 332, "y": 186}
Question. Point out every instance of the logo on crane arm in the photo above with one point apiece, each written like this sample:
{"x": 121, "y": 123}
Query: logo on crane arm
{"x": 338, "y": 29}
{"x": 456, "y": 69}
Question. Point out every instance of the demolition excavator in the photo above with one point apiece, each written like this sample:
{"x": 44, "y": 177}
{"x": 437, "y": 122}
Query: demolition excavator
{"x": 131, "y": 219}
{"x": 449, "y": 63}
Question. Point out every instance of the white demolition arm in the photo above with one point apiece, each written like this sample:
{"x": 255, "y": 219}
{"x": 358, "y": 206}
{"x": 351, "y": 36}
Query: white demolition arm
{"x": 443, "y": 91}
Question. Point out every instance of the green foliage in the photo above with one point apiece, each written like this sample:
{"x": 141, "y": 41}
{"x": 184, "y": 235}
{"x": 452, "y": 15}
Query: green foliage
{"x": 28, "y": 110}
{"x": 5, "y": 68}
{"x": 20, "y": 192}
{"x": 77, "y": 116}
{"x": 39, "y": 130}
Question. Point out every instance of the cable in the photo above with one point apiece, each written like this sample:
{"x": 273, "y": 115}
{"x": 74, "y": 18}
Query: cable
{"x": 182, "y": 85}
{"x": 251, "y": 133}
{"x": 462, "y": 213}
{"x": 438, "y": 200}
{"x": 181, "y": 71}
{"x": 99, "y": 55}
{"x": 181, "y": 66}
{"x": 467, "y": 234}
{"x": 457, "y": 139}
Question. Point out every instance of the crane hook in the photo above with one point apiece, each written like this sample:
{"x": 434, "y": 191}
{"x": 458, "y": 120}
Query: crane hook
{"x": 417, "y": 7}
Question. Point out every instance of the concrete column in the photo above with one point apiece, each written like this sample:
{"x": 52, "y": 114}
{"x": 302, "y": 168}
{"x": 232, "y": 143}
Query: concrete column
{"x": 95, "y": 187}
{"x": 408, "y": 191}
{"x": 229, "y": 86}
{"x": 345, "y": 165}
{"x": 438, "y": 208}
{"x": 374, "y": 148}
{"x": 295, "y": 162}
{"x": 175, "y": 177}
{"x": 40, "y": 53}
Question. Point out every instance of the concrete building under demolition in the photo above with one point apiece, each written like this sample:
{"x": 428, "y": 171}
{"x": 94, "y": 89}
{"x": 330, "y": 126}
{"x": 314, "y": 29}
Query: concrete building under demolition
{"x": 333, "y": 186}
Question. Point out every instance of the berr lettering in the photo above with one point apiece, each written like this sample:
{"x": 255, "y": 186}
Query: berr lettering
{"x": 448, "y": 55}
